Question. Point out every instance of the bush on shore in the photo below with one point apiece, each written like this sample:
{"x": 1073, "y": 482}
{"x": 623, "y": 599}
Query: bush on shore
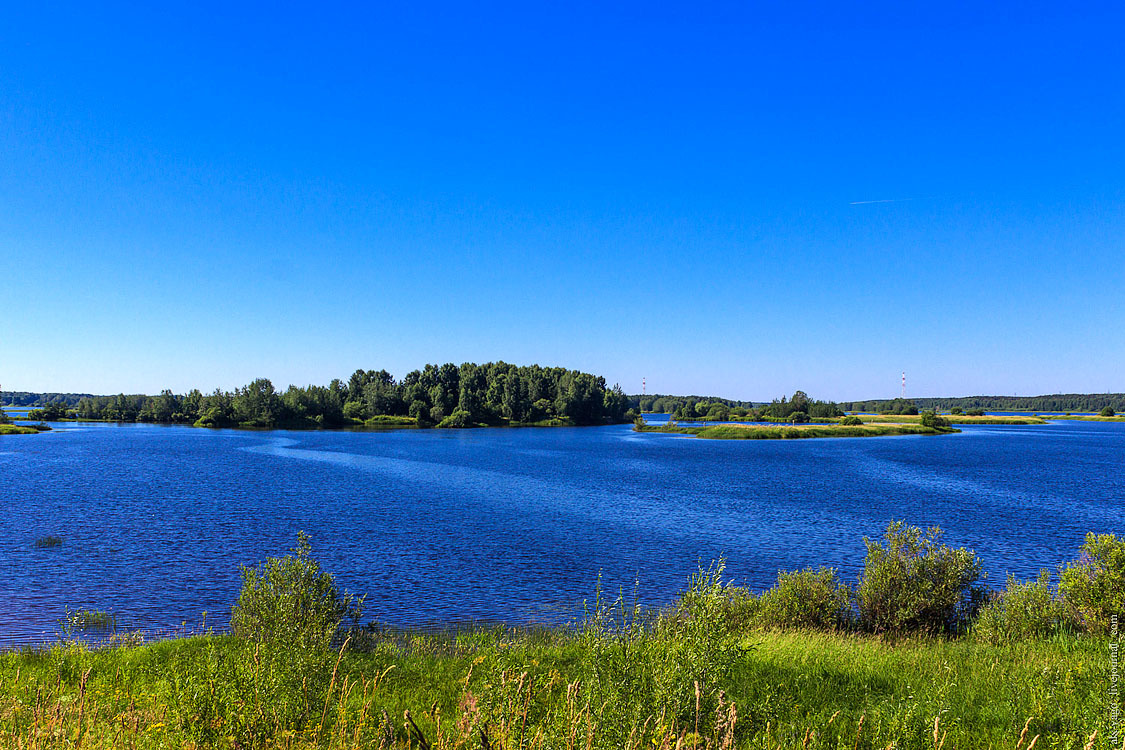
{"x": 805, "y": 599}
{"x": 291, "y": 600}
{"x": 1022, "y": 611}
{"x": 1093, "y": 587}
{"x": 913, "y": 583}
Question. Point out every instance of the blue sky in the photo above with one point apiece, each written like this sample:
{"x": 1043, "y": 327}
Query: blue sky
{"x": 199, "y": 195}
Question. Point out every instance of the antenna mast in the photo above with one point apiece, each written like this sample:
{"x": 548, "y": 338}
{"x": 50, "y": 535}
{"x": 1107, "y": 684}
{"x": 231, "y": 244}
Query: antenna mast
{"x": 904, "y": 385}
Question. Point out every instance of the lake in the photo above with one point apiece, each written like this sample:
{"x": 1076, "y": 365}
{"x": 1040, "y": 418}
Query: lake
{"x": 512, "y": 525}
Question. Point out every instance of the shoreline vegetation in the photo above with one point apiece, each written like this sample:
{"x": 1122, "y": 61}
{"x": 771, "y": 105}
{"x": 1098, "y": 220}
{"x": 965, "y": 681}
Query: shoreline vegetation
{"x": 800, "y": 426}
{"x": 955, "y": 419}
{"x": 495, "y": 394}
{"x": 1058, "y": 402}
{"x": 915, "y": 655}
{"x": 7, "y": 428}
{"x": 19, "y": 429}
{"x": 1086, "y": 417}
{"x": 785, "y": 432}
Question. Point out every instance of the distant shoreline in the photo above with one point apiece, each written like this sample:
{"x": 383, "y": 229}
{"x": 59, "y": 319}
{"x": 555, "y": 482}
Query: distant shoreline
{"x": 782, "y": 432}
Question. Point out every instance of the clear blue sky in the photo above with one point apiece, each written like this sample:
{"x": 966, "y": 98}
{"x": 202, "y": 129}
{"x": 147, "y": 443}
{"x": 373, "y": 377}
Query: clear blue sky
{"x": 199, "y": 195}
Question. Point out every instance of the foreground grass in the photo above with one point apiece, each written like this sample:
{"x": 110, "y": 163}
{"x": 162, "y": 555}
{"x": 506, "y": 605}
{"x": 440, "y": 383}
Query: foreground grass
{"x": 771, "y": 432}
{"x": 505, "y": 688}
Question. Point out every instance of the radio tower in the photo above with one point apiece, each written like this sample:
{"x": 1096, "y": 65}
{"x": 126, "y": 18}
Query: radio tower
{"x": 904, "y": 385}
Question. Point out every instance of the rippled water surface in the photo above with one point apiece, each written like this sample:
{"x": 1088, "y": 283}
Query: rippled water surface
{"x": 511, "y": 525}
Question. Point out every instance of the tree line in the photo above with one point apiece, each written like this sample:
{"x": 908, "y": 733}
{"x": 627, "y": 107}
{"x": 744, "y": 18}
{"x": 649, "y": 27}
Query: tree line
{"x": 27, "y": 398}
{"x": 798, "y": 408}
{"x": 1061, "y": 402}
{"x": 445, "y": 395}
{"x": 656, "y": 403}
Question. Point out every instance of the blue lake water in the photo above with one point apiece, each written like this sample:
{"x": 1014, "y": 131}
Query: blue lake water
{"x": 512, "y": 525}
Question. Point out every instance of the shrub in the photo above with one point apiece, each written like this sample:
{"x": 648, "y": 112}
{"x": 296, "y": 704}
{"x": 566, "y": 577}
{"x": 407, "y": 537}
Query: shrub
{"x": 52, "y": 412}
{"x": 1107, "y": 412}
{"x": 291, "y": 601}
{"x": 212, "y": 417}
{"x": 975, "y": 412}
{"x": 912, "y": 582}
{"x": 355, "y": 410}
{"x": 1020, "y": 611}
{"x": 956, "y": 410}
{"x": 1093, "y": 587}
{"x": 851, "y": 421}
{"x": 933, "y": 421}
{"x": 698, "y": 645}
{"x": 459, "y": 418}
{"x": 805, "y": 599}
{"x": 799, "y": 417}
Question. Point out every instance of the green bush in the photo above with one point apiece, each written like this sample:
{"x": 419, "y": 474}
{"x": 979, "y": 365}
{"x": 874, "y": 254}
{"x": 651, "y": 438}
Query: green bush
{"x": 291, "y": 601}
{"x": 851, "y": 421}
{"x": 1093, "y": 587}
{"x": 459, "y": 418}
{"x": 974, "y": 412}
{"x": 1107, "y": 412}
{"x": 1020, "y": 611}
{"x": 957, "y": 410}
{"x": 798, "y": 417}
{"x": 912, "y": 582}
{"x": 933, "y": 421}
{"x": 650, "y": 664}
{"x": 212, "y": 417}
{"x": 698, "y": 645}
{"x": 805, "y": 599}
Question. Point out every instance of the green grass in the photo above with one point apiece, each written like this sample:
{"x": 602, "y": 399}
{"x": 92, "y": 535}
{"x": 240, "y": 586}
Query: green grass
{"x": 1086, "y": 418}
{"x": 757, "y": 432}
{"x": 17, "y": 429}
{"x": 386, "y": 420}
{"x": 951, "y": 418}
{"x": 547, "y": 689}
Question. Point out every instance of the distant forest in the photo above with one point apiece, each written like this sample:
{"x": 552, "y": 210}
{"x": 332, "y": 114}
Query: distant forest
{"x": 446, "y": 395}
{"x": 799, "y": 408}
{"x": 663, "y": 404}
{"x": 25, "y": 398}
{"x": 532, "y": 394}
{"x": 1063, "y": 402}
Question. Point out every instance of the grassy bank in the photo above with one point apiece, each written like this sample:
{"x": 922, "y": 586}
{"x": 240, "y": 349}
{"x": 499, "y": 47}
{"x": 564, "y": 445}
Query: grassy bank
{"x": 771, "y": 432}
{"x": 1086, "y": 418}
{"x": 19, "y": 429}
{"x": 505, "y": 688}
{"x": 951, "y": 418}
{"x": 912, "y": 657}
